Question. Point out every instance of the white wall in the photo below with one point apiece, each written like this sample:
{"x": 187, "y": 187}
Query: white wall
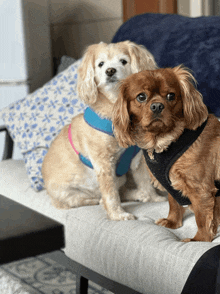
{"x": 196, "y": 8}
{"x": 76, "y": 24}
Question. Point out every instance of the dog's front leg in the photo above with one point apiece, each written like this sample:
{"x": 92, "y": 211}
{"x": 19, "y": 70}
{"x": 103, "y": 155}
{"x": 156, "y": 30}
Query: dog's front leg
{"x": 144, "y": 191}
{"x": 205, "y": 209}
{"x": 110, "y": 194}
{"x": 175, "y": 217}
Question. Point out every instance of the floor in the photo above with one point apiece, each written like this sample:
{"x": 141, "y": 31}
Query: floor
{"x": 40, "y": 275}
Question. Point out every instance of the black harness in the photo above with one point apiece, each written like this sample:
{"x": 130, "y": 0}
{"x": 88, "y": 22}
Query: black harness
{"x": 162, "y": 162}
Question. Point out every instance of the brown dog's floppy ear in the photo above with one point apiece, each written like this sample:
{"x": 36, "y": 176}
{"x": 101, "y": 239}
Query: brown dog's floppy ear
{"x": 121, "y": 119}
{"x": 195, "y": 111}
{"x": 141, "y": 58}
{"x": 86, "y": 85}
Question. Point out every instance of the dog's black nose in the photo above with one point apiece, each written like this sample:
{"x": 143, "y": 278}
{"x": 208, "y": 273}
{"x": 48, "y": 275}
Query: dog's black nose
{"x": 110, "y": 71}
{"x": 157, "y": 108}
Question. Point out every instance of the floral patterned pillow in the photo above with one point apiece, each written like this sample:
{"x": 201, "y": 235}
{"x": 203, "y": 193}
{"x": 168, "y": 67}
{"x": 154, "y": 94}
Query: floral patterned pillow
{"x": 33, "y": 122}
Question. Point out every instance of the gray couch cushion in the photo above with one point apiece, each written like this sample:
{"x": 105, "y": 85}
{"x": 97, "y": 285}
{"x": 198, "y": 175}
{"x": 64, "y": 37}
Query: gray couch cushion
{"x": 15, "y": 184}
{"x": 139, "y": 254}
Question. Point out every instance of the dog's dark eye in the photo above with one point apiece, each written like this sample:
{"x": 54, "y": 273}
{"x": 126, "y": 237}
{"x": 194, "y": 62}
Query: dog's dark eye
{"x": 170, "y": 96}
{"x": 101, "y": 64}
{"x": 142, "y": 97}
{"x": 123, "y": 61}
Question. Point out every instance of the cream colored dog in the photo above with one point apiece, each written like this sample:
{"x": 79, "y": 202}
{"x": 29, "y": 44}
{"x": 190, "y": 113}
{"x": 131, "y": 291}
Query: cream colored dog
{"x": 71, "y": 183}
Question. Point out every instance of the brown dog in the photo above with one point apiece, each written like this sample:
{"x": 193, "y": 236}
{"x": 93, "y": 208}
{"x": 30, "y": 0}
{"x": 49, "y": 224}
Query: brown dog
{"x": 156, "y": 108}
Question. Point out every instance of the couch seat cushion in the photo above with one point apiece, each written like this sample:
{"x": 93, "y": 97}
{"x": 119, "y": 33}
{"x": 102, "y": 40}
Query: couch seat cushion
{"x": 15, "y": 184}
{"x": 139, "y": 254}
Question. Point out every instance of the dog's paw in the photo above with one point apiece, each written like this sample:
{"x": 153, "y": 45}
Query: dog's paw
{"x": 151, "y": 196}
{"x": 187, "y": 240}
{"x": 142, "y": 197}
{"x": 164, "y": 222}
{"x": 156, "y": 198}
{"x": 122, "y": 216}
{"x": 59, "y": 204}
{"x": 199, "y": 238}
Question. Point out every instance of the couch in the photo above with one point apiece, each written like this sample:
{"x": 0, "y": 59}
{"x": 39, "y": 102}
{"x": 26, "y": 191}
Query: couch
{"x": 126, "y": 256}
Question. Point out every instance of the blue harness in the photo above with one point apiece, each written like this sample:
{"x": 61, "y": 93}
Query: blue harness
{"x": 104, "y": 125}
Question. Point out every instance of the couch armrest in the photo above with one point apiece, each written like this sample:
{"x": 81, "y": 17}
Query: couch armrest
{"x": 9, "y": 144}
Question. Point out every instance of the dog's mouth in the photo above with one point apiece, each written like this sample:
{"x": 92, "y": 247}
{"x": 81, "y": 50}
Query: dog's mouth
{"x": 157, "y": 124}
{"x": 111, "y": 80}
{"x": 151, "y": 122}
{"x": 157, "y": 121}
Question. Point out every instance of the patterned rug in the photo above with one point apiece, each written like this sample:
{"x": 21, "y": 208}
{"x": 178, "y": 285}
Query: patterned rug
{"x": 40, "y": 275}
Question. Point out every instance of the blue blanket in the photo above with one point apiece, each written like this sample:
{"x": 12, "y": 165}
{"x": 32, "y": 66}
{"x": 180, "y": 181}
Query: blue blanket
{"x": 174, "y": 40}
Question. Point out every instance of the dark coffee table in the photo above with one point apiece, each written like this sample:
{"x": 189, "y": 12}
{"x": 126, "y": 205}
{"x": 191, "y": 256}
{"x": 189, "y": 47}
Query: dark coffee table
{"x": 25, "y": 233}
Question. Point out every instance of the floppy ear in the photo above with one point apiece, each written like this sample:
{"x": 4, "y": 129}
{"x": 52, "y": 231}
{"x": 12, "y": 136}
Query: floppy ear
{"x": 121, "y": 119}
{"x": 141, "y": 58}
{"x": 195, "y": 111}
{"x": 86, "y": 85}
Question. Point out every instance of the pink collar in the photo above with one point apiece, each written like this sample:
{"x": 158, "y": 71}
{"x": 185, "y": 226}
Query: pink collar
{"x": 70, "y": 139}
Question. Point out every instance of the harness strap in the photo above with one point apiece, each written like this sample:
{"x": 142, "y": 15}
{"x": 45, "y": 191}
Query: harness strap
{"x": 70, "y": 139}
{"x": 86, "y": 161}
{"x": 126, "y": 157}
{"x": 162, "y": 162}
{"x": 96, "y": 122}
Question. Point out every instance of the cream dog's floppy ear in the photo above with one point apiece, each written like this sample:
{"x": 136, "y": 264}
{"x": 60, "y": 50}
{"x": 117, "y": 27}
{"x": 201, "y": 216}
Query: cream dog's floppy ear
{"x": 86, "y": 85}
{"x": 195, "y": 111}
{"x": 141, "y": 58}
{"x": 121, "y": 119}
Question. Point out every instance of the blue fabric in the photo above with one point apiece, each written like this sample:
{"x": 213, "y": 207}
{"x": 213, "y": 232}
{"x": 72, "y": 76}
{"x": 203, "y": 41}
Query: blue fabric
{"x": 95, "y": 121}
{"x": 123, "y": 163}
{"x": 104, "y": 125}
{"x": 85, "y": 160}
{"x": 175, "y": 39}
